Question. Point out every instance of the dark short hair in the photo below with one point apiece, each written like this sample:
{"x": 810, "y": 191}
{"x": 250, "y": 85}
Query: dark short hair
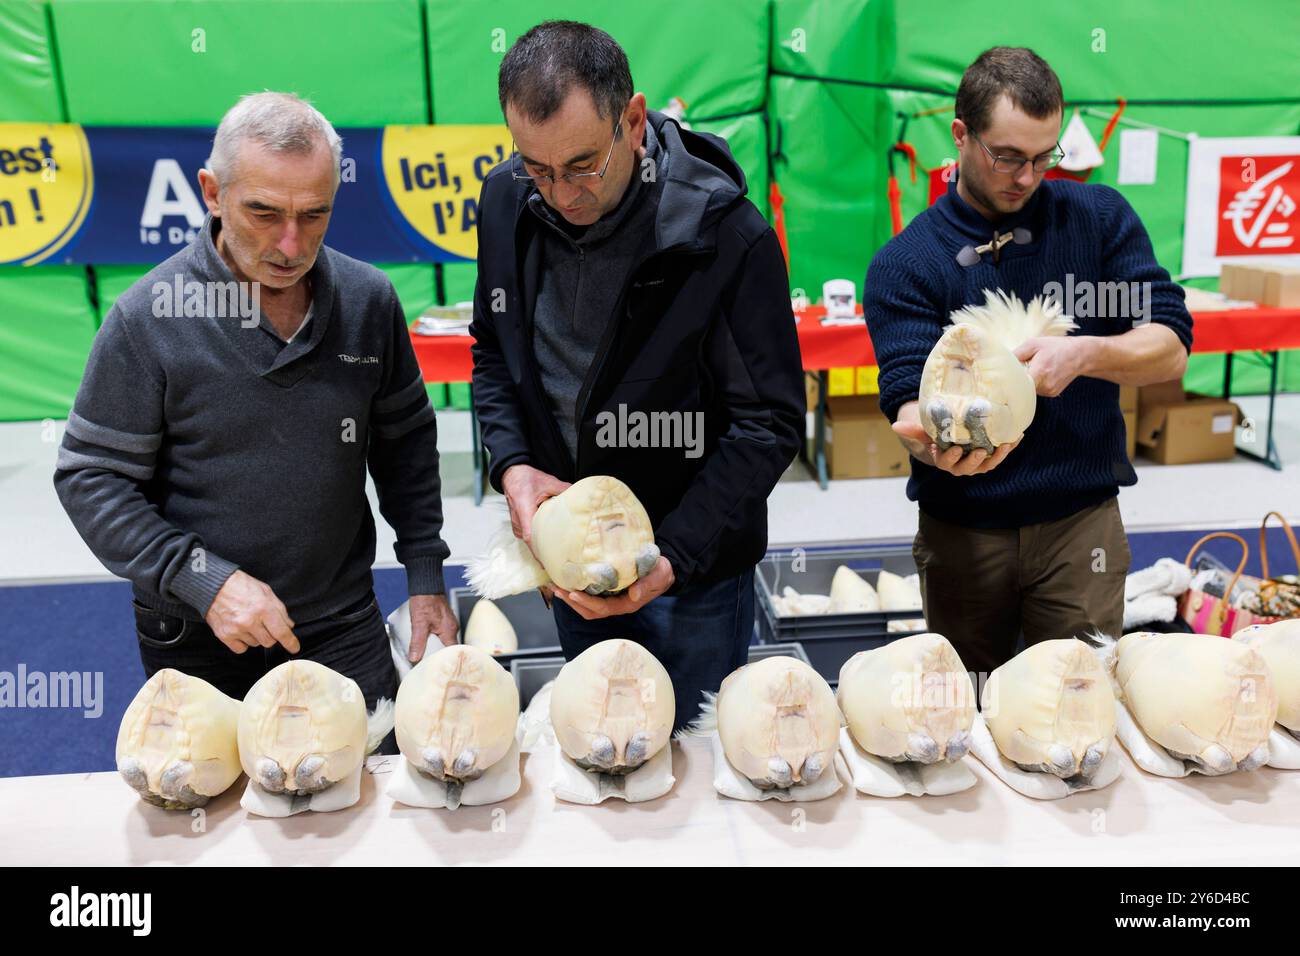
{"x": 1018, "y": 72}
{"x": 546, "y": 63}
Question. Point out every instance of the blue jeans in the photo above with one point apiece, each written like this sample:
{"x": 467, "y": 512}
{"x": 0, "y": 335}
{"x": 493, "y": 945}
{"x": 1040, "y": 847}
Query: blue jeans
{"x": 700, "y": 636}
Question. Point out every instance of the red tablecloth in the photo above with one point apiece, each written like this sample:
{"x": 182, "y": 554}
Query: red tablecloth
{"x": 832, "y": 346}
{"x": 1246, "y": 330}
{"x": 1231, "y": 330}
{"x": 446, "y": 358}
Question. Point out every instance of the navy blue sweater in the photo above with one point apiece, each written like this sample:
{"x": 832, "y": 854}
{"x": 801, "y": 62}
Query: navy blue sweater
{"x": 1073, "y": 455}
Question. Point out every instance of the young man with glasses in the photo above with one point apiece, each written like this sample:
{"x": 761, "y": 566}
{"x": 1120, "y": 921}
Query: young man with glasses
{"x": 1026, "y": 540}
{"x": 622, "y": 274}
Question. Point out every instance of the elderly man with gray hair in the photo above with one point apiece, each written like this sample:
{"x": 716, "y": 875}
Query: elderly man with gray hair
{"x": 219, "y": 461}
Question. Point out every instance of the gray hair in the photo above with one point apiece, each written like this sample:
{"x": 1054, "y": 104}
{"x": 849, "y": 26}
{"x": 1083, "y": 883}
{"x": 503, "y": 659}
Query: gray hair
{"x": 282, "y": 122}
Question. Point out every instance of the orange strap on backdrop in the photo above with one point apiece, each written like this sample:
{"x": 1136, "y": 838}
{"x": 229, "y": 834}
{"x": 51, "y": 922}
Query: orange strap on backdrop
{"x": 1058, "y": 173}
{"x": 1111, "y": 124}
{"x": 777, "y": 202}
{"x": 896, "y": 194}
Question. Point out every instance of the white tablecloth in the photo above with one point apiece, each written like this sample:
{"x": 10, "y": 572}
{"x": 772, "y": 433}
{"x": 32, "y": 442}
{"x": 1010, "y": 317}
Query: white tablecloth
{"x": 1247, "y": 818}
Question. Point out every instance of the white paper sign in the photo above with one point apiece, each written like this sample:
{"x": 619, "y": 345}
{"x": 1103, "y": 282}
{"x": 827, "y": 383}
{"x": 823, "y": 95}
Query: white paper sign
{"x": 1080, "y": 148}
{"x": 1137, "y": 157}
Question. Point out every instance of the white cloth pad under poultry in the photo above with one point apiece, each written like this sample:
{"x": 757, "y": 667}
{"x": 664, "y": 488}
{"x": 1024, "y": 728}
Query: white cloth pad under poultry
{"x": 535, "y": 732}
{"x": 399, "y": 639}
{"x": 499, "y": 782}
{"x": 880, "y": 778}
{"x": 1033, "y": 783}
{"x": 1283, "y": 749}
{"x": 339, "y": 796}
{"x": 651, "y": 780}
{"x": 570, "y": 782}
{"x": 731, "y": 783}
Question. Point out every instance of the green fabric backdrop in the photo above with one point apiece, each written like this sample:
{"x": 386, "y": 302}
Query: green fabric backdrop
{"x": 808, "y": 89}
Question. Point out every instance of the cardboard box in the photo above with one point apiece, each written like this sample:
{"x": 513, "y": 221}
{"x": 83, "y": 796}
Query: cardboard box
{"x": 1198, "y": 429}
{"x": 1272, "y": 285}
{"x": 1162, "y": 393}
{"x": 867, "y": 380}
{"x": 1131, "y": 432}
{"x": 1282, "y": 289}
{"x": 1248, "y": 283}
{"x": 841, "y": 381}
{"x": 1228, "y": 279}
{"x": 859, "y": 380}
{"x": 1128, "y": 398}
{"x": 860, "y": 442}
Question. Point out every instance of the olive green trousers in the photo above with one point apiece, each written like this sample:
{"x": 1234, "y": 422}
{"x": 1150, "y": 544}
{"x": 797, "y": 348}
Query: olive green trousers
{"x": 985, "y": 588}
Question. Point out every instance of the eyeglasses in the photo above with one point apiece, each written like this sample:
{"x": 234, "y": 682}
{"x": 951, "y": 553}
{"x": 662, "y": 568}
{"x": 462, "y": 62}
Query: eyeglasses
{"x": 1013, "y": 164}
{"x": 570, "y": 178}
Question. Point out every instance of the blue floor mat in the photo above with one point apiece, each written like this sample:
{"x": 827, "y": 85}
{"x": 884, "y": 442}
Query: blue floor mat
{"x": 61, "y": 628}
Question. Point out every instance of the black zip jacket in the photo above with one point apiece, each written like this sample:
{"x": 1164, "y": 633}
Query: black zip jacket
{"x": 703, "y": 324}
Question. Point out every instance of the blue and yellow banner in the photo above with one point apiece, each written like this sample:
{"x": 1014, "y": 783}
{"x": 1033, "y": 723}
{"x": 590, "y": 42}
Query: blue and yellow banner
{"x": 130, "y": 195}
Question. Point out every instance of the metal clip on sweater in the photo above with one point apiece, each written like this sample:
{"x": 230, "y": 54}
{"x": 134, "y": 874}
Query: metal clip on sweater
{"x": 970, "y": 255}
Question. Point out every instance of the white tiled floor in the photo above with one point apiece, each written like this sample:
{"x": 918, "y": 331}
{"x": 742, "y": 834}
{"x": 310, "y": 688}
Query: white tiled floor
{"x": 38, "y": 543}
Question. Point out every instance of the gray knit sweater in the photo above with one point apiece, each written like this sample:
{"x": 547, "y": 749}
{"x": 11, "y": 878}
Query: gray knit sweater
{"x": 198, "y": 445}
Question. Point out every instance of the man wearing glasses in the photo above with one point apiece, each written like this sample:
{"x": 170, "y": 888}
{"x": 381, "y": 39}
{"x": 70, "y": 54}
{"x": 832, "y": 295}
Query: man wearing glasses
{"x": 623, "y": 277}
{"x": 1026, "y": 540}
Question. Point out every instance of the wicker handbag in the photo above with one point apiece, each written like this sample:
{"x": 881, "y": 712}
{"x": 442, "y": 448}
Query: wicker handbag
{"x": 1275, "y": 597}
{"x": 1209, "y": 613}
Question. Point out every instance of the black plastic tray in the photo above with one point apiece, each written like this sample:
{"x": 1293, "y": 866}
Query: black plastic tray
{"x": 528, "y": 615}
{"x": 829, "y": 639}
